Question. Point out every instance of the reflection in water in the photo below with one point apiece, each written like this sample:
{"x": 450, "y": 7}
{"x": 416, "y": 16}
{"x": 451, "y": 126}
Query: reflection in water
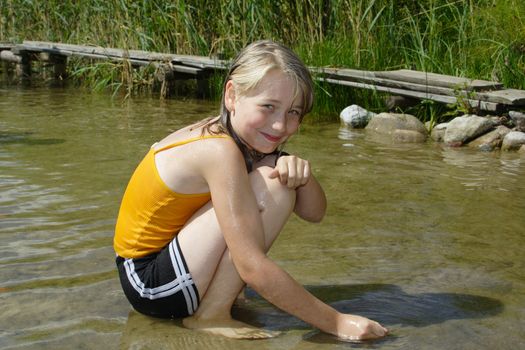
{"x": 25, "y": 138}
{"x": 426, "y": 239}
{"x": 404, "y": 309}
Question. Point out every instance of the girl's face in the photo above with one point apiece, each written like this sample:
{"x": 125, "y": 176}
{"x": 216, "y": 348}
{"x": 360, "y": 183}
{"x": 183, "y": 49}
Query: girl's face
{"x": 267, "y": 115}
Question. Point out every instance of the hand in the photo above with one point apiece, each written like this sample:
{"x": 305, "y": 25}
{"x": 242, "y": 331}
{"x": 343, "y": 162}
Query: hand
{"x": 292, "y": 171}
{"x": 352, "y": 327}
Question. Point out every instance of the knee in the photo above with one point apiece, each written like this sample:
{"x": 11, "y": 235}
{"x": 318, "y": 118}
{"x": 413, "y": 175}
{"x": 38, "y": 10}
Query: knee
{"x": 270, "y": 191}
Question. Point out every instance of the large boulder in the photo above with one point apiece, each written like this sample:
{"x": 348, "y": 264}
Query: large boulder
{"x": 518, "y": 119}
{"x": 491, "y": 140}
{"x": 408, "y": 136}
{"x": 355, "y": 116}
{"x": 398, "y": 127}
{"x": 465, "y": 128}
{"x": 513, "y": 141}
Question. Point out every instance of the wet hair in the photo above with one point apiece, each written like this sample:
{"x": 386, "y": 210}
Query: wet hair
{"x": 246, "y": 71}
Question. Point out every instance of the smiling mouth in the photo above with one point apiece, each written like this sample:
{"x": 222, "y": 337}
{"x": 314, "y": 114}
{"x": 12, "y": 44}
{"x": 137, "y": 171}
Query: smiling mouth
{"x": 271, "y": 138}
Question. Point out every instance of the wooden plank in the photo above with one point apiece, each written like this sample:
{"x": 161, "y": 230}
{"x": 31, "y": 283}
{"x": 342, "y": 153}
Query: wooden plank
{"x": 6, "y": 46}
{"x": 98, "y": 55}
{"x": 482, "y": 105}
{"x": 369, "y": 77}
{"x": 505, "y": 96}
{"x": 195, "y": 61}
{"x": 186, "y": 69}
{"x": 411, "y": 77}
{"x": 439, "y": 80}
{"x": 95, "y": 50}
{"x": 438, "y": 87}
{"x": 508, "y": 96}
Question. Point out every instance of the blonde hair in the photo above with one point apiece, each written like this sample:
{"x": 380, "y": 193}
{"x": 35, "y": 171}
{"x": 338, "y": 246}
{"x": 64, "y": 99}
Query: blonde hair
{"x": 247, "y": 70}
{"x": 257, "y": 59}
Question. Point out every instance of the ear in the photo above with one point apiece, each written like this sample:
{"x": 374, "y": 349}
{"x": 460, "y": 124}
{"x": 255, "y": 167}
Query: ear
{"x": 229, "y": 96}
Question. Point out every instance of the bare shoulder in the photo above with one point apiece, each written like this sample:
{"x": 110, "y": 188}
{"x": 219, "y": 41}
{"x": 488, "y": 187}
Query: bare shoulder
{"x": 186, "y": 160}
{"x": 220, "y": 153}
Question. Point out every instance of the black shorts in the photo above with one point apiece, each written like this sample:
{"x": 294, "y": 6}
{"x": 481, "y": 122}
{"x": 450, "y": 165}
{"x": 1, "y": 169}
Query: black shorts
{"x": 159, "y": 285}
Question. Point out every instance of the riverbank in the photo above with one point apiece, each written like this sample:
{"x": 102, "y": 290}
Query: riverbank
{"x": 462, "y": 38}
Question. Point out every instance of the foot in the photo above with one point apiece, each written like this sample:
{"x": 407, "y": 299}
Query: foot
{"x": 228, "y": 328}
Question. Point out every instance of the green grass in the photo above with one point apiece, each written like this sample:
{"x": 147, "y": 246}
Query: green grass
{"x": 483, "y": 39}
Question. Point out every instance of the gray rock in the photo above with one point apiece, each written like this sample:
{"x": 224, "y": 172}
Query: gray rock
{"x": 438, "y": 132}
{"x": 408, "y": 136}
{"x": 513, "y": 141}
{"x": 465, "y": 128}
{"x": 388, "y": 124}
{"x": 355, "y": 116}
{"x": 495, "y": 121}
{"x": 491, "y": 140}
{"x": 518, "y": 119}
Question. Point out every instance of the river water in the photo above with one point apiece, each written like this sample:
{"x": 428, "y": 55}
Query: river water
{"x": 427, "y": 240}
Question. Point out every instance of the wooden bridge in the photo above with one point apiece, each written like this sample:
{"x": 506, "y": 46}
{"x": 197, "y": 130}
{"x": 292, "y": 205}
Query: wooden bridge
{"x": 479, "y": 94}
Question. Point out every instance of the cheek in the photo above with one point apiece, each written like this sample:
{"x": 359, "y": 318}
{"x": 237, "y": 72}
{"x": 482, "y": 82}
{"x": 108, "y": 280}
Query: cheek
{"x": 292, "y": 126}
{"x": 257, "y": 120}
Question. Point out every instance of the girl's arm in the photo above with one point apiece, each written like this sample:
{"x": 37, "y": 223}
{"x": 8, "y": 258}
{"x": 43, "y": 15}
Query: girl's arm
{"x": 238, "y": 215}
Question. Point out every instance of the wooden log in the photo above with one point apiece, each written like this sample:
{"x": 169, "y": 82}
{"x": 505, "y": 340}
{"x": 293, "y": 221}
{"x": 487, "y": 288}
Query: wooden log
{"x": 482, "y": 105}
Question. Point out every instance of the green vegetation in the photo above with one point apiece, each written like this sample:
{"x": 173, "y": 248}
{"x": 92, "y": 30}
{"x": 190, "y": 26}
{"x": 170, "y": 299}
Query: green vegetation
{"x": 482, "y": 39}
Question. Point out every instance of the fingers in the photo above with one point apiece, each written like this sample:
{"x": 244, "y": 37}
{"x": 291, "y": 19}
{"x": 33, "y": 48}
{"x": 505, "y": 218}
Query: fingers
{"x": 274, "y": 173}
{"x": 292, "y": 171}
{"x": 358, "y": 328}
{"x": 374, "y": 330}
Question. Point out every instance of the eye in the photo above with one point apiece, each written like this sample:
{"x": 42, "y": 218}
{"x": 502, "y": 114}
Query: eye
{"x": 294, "y": 113}
{"x": 269, "y": 107}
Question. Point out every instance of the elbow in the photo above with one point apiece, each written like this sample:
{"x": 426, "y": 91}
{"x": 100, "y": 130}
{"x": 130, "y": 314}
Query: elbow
{"x": 315, "y": 217}
{"x": 256, "y": 275}
{"x": 313, "y": 214}
{"x": 252, "y": 280}
{"x": 251, "y": 271}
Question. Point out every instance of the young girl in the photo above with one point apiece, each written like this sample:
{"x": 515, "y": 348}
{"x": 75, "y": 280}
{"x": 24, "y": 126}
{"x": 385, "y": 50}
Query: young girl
{"x": 206, "y": 203}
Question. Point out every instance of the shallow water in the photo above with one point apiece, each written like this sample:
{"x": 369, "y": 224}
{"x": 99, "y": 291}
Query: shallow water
{"x": 427, "y": 240}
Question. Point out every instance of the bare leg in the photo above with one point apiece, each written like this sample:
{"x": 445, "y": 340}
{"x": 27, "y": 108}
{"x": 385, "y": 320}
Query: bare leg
{"x": 212, "y": 269}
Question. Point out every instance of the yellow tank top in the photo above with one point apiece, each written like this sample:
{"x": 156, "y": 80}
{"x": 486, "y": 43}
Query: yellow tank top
{"x": 151, "y": 214}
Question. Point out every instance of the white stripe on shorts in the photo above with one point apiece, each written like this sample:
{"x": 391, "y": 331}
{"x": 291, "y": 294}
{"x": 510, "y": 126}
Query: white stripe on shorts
{"x": 182, "y": 282}
{"x": 178, "y": 266}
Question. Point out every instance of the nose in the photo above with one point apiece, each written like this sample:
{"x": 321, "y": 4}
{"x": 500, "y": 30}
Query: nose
{"x": 279, "y": 122}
